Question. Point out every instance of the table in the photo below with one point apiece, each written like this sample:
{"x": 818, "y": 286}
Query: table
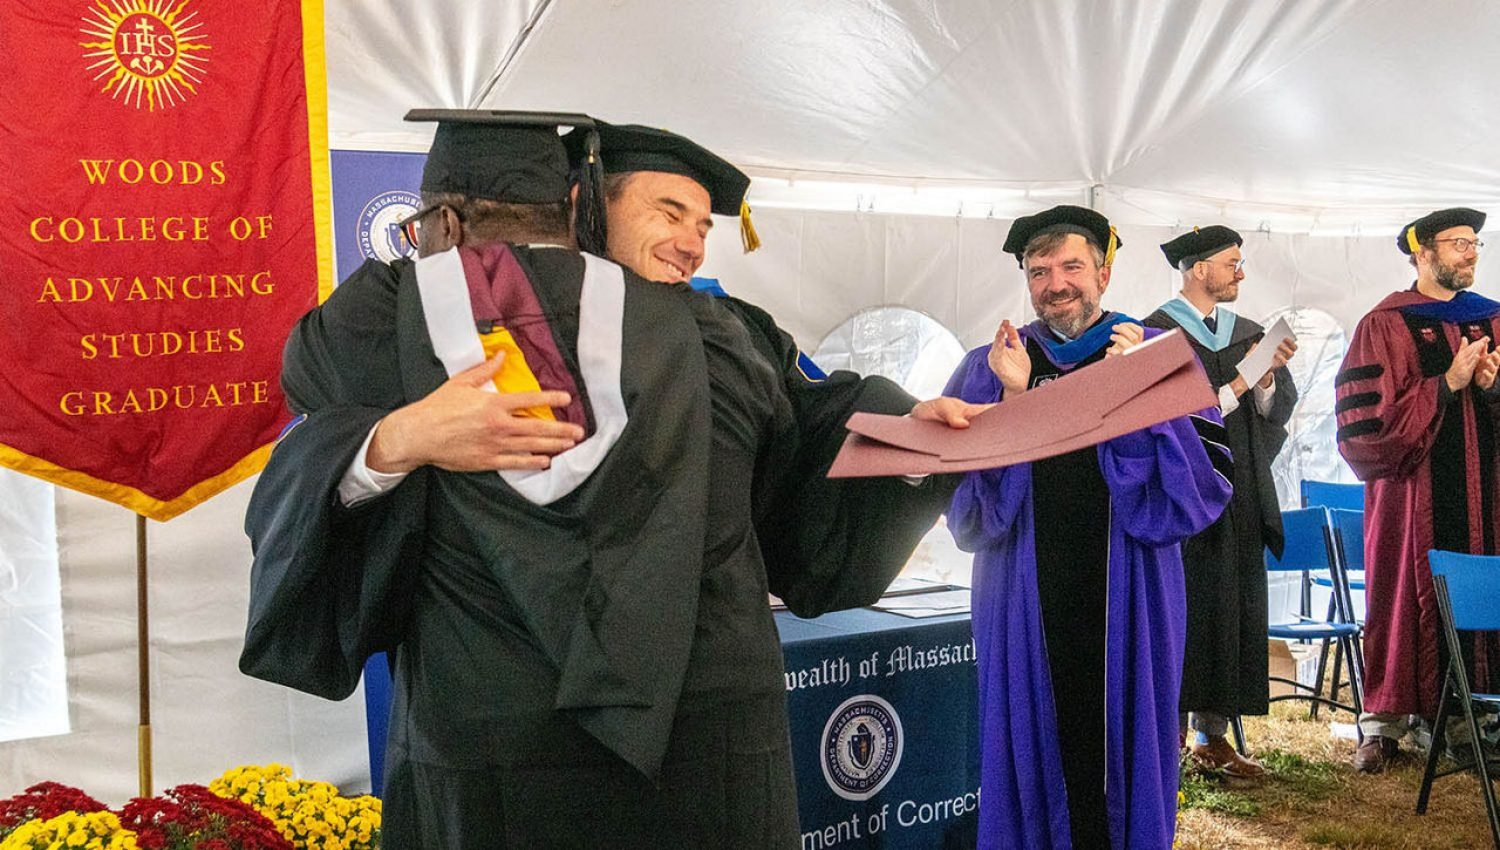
{"x": 884, "y": 717}
{"x": 884, "y": 731}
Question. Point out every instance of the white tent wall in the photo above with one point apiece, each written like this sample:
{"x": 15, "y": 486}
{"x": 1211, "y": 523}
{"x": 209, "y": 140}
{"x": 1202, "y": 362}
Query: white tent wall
{"x": 206, "y": 716}
{"x": 33, "y": 670}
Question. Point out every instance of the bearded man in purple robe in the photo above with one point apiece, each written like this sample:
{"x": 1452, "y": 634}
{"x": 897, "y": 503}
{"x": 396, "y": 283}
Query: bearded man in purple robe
{"x": 1078, "y": 603}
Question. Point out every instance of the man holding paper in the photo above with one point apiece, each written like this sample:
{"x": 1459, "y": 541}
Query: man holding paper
{"x": 1078, "y": 599}
{"x": 1417, "y": 409}
{"x": 1224, "y": 669}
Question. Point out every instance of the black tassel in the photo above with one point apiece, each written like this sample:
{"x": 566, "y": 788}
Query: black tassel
{"x": 588, "y": 216}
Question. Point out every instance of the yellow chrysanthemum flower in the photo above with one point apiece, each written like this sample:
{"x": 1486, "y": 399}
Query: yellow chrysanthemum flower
{"x": 71, "y": 830}
{"x": 310, "y": 814}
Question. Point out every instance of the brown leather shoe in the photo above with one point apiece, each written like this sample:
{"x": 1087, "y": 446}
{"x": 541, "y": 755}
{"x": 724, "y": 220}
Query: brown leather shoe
{"x": 1374, "y": 752}
{"x": 1219, "y": 754}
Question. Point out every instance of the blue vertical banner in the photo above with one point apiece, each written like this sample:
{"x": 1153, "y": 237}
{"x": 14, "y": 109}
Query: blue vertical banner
{"x": 371, "y": 192}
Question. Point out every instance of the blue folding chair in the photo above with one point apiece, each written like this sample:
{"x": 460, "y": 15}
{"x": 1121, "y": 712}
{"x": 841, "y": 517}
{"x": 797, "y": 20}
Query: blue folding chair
{"x": 1349, "y": 535}
{"x": 1329, "y": 494}
{"x": 1349, "y": 545}
{"x": 1467, "y": 587}
{"x": 1310, "y": 547}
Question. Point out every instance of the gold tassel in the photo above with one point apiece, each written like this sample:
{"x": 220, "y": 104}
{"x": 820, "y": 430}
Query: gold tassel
{"x": 1411, "y": 240}
{"x": 1114, "y": 242}
{"x": 748, "y": 237}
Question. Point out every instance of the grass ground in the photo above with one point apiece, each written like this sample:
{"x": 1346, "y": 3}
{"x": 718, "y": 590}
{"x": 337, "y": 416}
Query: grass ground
{"x": 1313, "y": 800}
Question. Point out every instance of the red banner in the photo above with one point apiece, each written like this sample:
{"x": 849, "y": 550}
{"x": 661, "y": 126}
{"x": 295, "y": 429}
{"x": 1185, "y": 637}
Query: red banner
{"x": 163, "y": 223}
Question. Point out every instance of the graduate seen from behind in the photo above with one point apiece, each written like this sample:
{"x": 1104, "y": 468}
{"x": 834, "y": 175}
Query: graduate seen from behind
{"x": 1418, "y": 408}
{"x": 1078, "y": 588}
{"x": 545, "y": 484}
{"x": 1225, "y": 668}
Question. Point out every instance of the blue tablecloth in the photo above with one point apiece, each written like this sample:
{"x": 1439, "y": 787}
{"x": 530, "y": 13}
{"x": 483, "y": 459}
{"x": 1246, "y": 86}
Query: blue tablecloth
{"x": 883, "y": 712}
{"x": 884, "y": 739}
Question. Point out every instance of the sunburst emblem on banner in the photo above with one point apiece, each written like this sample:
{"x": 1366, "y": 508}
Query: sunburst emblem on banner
{"x": 149, "y": 53}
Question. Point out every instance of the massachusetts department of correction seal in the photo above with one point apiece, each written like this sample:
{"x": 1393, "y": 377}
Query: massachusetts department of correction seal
{"x": 862, "y": 744}
{"x": 379, "y": 237}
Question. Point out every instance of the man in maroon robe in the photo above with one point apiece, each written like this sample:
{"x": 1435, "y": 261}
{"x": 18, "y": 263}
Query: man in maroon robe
{"x": 1417, "y": 412}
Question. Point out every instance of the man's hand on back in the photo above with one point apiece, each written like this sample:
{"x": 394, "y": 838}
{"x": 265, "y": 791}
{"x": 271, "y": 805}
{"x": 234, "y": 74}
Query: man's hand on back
{"x": 462, "y": 427}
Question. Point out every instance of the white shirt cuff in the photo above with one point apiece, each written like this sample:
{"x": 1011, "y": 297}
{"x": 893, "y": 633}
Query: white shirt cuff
{"x": 361, "y": 483}
{"x": 1228, "y": 401}
{"x": 1264, "y": 397}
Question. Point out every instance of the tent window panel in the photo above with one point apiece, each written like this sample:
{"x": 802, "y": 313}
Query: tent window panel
{"x": 919, "y": 353}
{"x": 1311, "y": 450}
{"x": 33, "y": 672}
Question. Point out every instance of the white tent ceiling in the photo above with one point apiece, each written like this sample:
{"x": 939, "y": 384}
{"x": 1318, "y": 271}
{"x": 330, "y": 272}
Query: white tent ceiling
{"x": 1342, "y": 116}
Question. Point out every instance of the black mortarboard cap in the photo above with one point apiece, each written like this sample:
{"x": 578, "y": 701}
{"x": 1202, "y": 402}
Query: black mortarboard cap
{"x": 1413, "y": 235}
{"x": 507, "y": 156}
{"x": 632, "y": 147}
{"x": 1199, "y": 244}
{"x": 1063, "y": 219}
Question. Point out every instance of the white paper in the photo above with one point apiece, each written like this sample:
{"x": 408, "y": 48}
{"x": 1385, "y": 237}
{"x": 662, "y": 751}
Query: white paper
{"x": 926, "y": 604}
{"x": 907, "y": 585}
{"x": 1258, "y": 362}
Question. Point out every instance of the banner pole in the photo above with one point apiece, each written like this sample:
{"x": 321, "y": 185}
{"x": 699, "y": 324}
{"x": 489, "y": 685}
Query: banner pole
{"x": 143, "y": 658}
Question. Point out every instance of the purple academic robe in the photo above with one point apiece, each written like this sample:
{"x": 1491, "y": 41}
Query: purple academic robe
{"x": 1163, "y": 487}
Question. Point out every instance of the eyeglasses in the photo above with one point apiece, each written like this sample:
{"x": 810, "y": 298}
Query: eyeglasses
{"x": 1236, "y": 265}
{"x": 1463, "y": 243}
{"x": 411, "y": 226}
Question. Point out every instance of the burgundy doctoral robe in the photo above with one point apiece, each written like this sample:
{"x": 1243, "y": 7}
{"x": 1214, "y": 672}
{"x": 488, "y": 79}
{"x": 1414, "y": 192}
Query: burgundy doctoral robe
{"x": 1428, "y": 459}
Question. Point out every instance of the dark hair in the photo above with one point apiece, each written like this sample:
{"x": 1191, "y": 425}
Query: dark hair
{"x": 493, "y": 221}
{"x": 1045, "y": 243}
{"x": 614, "y": 185}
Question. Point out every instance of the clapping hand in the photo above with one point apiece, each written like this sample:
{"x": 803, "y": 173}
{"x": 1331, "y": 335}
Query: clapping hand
{"x": 1008, "y": 359}
{"x": 1466, "y": 362}
{"x": 1487, "y": 369}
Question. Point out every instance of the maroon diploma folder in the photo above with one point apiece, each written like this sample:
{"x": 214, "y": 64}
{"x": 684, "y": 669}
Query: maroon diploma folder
{"x": 1153, "y": 382}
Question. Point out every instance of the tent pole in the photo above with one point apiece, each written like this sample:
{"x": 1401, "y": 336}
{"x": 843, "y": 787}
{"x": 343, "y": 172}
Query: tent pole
{"x": 143, "y": 658}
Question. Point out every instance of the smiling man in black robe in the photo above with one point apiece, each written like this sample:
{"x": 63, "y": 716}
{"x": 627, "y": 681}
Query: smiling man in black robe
{"x": 584, "y": 654}
{"x": 1225, "y": 665}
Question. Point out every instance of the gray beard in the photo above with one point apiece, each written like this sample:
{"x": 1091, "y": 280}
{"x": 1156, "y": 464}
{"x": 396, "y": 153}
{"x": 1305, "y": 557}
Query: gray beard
{"x": 1072, "y": 329}
{"x": 1447, "y": 277}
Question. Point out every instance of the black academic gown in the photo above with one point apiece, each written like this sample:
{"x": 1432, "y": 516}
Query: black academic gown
{"x": 1225, "y": 663}
{"x": 604, "y": 670}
